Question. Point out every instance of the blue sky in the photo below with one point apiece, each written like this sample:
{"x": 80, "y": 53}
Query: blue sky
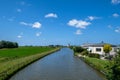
{"x": 45, "y": 22}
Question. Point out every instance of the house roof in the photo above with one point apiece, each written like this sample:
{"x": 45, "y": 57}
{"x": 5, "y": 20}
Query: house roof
{"x": 97, "y": 45}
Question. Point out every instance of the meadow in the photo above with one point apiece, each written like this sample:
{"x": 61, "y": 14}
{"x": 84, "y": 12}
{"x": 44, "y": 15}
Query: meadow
{"x": 12, "y": 60}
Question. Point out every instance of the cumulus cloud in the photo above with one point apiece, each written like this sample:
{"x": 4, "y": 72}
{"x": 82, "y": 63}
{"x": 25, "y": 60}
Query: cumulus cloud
{"x": 24, "y": 23}
{"x": 91, "y": 18}
{"x": 51, "y": 15}
{"x": 38, "y": 34}
{"x": 117, "y": 30}
{"x": 78, "y": 23}
{"x": 20, "y": 35}
{"x": 36, "y": 25}
{"x": 33, "y": 25}
{"x": 78, "y": 32}
{"x": 116, "y": 15}
{"x": 115, "y": 1}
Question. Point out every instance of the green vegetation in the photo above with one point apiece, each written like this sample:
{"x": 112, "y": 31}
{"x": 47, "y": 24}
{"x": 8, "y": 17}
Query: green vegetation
{"x": 110, "y": 68}
{"x": 23, "y": 51}
{"x": 94, "y": 55}
{"x": 8, "y": 44}
{"x": 79, "y": 50}
{"x": 82, "y": 51}
{"x": 107, "y": 48}
{"x": 11, "y": 60}
{"x": 92, "y": 59}
{"x": 114, "y": 68}
{"x": 97, "y": 63}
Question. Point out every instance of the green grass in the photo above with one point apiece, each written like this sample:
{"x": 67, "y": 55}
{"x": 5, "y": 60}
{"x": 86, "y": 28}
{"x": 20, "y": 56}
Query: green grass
{"x": 98, "y": 63}
{"x": 22, "y": 51}
{"x": 11, "y": 60}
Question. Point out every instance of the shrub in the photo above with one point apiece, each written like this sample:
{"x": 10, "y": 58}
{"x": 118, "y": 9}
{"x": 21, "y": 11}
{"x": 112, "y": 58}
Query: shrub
{"x": 94, "y": 55}
{"x": 85, "y": 52}
{"x": 78, "y": 49}
{"x": 114, "y": 69}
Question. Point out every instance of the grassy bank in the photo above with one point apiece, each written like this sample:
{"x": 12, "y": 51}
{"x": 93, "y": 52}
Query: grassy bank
{"x": 98, "y": 64}
{"x": 12, "y": 60}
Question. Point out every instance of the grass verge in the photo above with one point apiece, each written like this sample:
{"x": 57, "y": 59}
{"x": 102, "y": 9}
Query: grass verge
{"x": 98, "y": 64}
{"x": 12, "y": 65}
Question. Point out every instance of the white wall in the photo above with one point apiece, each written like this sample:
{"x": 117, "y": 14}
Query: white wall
{"x": 93, "y": 50}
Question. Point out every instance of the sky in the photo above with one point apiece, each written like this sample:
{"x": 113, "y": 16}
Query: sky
{"x": 62, "y": 22}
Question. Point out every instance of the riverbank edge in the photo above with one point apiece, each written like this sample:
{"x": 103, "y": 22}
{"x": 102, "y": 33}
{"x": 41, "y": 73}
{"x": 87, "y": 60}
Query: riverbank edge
{"x": 23, "y": 62}
{"x": 90, "y": 64}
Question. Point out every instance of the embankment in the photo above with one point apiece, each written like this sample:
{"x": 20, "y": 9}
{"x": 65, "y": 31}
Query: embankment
{"x": 11, "y": 67}
{"x": 97, "y": 64}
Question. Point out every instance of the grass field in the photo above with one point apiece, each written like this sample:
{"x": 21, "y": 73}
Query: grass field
{"x": 22, "y": 51}
{"x": 11, "y": 60}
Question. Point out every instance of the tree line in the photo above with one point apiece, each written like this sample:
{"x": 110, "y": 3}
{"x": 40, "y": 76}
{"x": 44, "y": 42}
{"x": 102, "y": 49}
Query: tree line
{"x": 8, "y": 44}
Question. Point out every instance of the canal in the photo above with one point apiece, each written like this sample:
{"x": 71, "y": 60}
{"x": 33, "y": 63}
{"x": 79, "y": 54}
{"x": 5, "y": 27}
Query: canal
{"x": 61, "y": 65}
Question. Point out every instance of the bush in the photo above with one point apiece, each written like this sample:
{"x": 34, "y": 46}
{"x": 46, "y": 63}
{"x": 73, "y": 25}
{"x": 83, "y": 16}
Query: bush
{"x": 94, "y": 55}
{"x": 78, "y": 49}
{"x": 114, "y": 69}
{"x": 85, "y": 52}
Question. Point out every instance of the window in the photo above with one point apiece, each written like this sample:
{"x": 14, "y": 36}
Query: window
{"x": 98, "y": 49}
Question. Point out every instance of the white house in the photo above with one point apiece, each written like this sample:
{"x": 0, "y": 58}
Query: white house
{"x": 98, "y": 48}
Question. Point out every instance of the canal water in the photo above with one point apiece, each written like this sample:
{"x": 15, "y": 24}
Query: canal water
{"x": 61, "y": 65}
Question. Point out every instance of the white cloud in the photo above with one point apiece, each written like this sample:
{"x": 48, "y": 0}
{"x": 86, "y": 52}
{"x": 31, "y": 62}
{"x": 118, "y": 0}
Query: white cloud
{"x": 78, "y": 32}
{"x": 78, "y": 23}
{"x": 11, "y": 19}
{"x": 116, "y": 15}
{"x": 34, "y": 25}
{"x": 23, "y": 3}
{"x": 26, "y": 24}
{"x": 19, "y": 10}
{"x": 51, "y": 15}
{"x": 38, "y": 34}
{"x": 91, "y": 18}
{"x": 19, "y": 36}
{"x": 117, "y": 30}
{"x": 115, "y": 1}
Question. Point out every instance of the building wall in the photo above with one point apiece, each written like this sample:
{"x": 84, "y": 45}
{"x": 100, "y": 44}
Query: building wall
{"x": 93, "y": 50}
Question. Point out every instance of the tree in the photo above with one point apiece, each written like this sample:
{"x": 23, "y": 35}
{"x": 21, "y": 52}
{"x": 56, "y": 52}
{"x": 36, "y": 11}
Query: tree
{"x": 8, "y": 44}
{"x": 78, "y": 49}
{"x": 107, "y": 48}
{"x": 114, "y": 68}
